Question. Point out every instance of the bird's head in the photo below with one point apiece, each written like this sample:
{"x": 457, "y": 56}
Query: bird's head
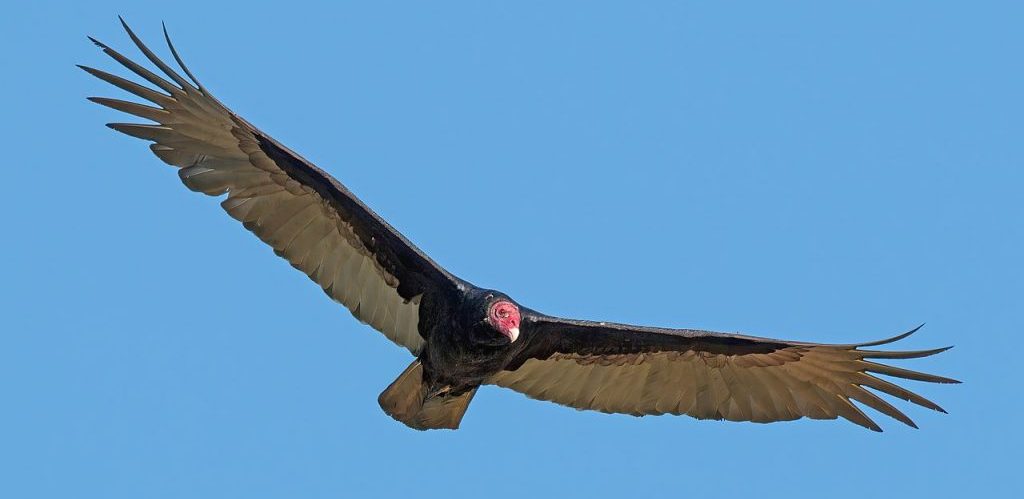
{"x": 503, "y": 316}
{"x": 495, "y": 318}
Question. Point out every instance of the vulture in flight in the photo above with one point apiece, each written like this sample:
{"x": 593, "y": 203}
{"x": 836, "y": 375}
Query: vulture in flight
{"x": 463, "y": 336}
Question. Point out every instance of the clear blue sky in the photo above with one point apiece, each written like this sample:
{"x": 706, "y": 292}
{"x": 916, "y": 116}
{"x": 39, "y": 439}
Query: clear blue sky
{"x": 821, "y": 171}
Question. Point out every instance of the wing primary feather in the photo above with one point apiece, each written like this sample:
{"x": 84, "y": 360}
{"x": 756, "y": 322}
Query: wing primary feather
{"x": 131, "y": 87}
{"x": 145, "y": 132}
{"x": 853, "y": 414}
{"x": 885, "y": 341}
{"x": 137, "y": 69}
{"x": 905, "y": 373}
{"x": 185, "y": 85}
{"x": 181, "y": 63}
{"x": 897, "y": 391}
{"x": 909, "y": 354}
{"x": 141, "y": 110}
{"x": 875, "y": 402}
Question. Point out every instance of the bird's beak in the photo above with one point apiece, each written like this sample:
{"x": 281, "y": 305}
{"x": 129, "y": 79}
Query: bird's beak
{"x": 513, "y": 334}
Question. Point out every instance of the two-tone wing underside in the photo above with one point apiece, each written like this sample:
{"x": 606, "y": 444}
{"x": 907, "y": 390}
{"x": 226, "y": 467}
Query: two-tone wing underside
{"x": 359, "y": 260}
{"x": 647, "y": 371}
{"x": 305, "y": 215}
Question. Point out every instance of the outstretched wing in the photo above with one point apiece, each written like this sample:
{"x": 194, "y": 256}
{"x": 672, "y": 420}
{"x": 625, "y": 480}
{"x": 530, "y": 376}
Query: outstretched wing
{"x": 634, "y": 370}
{"x": 309, "y": 218}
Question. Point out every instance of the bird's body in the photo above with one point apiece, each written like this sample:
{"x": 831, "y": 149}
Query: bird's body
{"x": 453, "y": 358}
{"x": 463, "y": 336}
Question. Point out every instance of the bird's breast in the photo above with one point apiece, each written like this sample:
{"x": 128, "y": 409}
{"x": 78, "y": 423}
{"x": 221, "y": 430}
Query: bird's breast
{"x": 450, "y": 360}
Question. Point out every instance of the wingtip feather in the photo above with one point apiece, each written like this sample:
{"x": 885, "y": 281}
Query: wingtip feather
{"x": 167, "y": 70}
{"x": 177, "y": 58}
{"x": 889, "y": 340}
{"x": 97, "y": 43}
{"x": 900, "y": 354}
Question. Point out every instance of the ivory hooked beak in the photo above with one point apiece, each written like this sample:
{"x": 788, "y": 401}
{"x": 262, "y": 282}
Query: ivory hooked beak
{"x": 512, "y": 334}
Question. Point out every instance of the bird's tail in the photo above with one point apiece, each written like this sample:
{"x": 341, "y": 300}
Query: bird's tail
{"x": 407, "y": 400}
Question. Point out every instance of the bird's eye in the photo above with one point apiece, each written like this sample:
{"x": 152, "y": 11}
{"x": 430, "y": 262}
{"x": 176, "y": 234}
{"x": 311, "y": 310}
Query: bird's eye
{"x": 503, "y": 313}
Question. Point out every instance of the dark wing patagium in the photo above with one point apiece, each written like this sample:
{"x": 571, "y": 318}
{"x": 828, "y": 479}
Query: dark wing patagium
{"x": 309, "y": 218}
{"x": 626, "y": 369}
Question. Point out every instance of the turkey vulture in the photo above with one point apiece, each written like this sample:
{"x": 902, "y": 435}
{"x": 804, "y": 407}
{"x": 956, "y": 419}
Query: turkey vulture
{"x": 463, "y": 336}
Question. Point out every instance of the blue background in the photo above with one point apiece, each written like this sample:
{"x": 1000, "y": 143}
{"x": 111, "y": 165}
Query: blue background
{"x": 821, "y": 171}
